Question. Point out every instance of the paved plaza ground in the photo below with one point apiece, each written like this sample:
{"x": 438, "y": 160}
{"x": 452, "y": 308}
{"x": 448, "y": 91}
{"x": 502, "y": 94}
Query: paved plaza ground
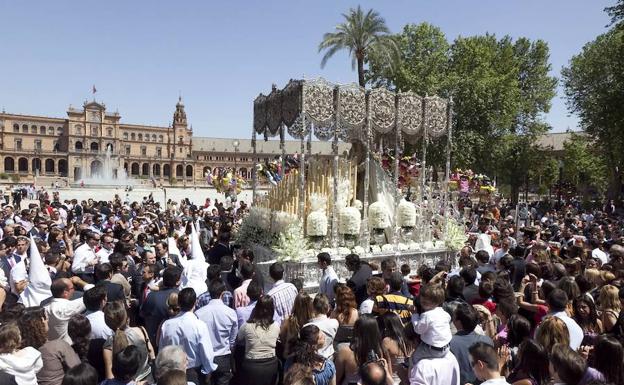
{"x": 196, "y": 195}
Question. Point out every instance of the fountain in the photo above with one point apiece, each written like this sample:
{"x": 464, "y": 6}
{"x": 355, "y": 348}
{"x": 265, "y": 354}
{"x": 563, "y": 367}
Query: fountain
{"x": 108, "y": 174}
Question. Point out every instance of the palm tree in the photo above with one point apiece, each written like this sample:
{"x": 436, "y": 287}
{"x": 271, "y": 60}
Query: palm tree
{"x": 362, "y": 35}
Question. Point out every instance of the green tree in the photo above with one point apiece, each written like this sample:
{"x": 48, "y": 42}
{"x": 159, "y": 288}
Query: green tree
{"x": 617, "y": 13}
{"x": 593, "y": 84}
{"x": 584, "y": 165}
{"x": 363, "y": 35}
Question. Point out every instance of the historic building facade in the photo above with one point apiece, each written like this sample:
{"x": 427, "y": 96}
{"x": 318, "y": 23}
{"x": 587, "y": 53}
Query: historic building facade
{"x": 92, "y": 142}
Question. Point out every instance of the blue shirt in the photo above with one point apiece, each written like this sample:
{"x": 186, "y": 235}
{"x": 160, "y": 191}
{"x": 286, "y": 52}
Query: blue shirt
{"x": 222, "y": 325}
{"x": 244, "y": 312}
{"x": 193, "y": 336}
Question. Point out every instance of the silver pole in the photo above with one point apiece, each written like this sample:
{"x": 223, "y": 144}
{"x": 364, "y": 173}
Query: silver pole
{"x": 254, "y": 171}
{"x": 334, "y": 234}
{"x": 365, "y": 234}
{"x": 447, "y": 176}
{"x": 302, "y": 164}
{"x": 397, "y": 191}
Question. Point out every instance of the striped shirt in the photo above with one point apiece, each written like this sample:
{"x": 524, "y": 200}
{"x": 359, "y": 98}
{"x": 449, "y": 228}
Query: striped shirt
{"x": 283, "y": 295}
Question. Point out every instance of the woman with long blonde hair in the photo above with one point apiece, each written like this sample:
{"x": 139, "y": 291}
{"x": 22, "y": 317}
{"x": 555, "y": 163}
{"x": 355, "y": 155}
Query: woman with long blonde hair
{"x": 609, "y": 302}
{"x": 116, "y": 318}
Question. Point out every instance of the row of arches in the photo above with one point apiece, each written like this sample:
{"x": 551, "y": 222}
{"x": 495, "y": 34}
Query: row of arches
{"x": 137, "y": 169}
{"x": 94, "y": 146}
{"x": 242, "y": 171}
{"x": 147, "y": 137}
{"x": 47, "y": 166}
{"x": 41, "y": 130}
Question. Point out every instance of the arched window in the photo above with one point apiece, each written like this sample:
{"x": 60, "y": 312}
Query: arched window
{"x": 9, "y": 164}
{"x": 156, "y": 170}
{"x": 62, "y": 167}
{"x": 153, "y": 137}
{"x": 161, "y": 138}
{"x": 189, "y": 171}
{"x": 125, "y": 136}
{"x": 135, "y": 169}
{"x": 166, "y": 170}
{"x": 179, "y": 171}
{"x": 33, "y": 129}
{"x": 16, "y": 127}
{"x": 145, "y": 169}
{"x": 109, "y": 131}
{"x": 36, "y": 165}
{"x": 49, "y": 165}
{"x": 147, "y": 137}
{"x": 78, "y": 145}
{"x": 50, "y": 130}
{"x": 42, "y": 130}
{"x": 59, "y": 131}
{"x": 22, "y": 165}
{"x": 25, "y": 128}
{"x": 140, "y": 136}
{"x": 95, "y": 146}
{"x": 133, "y": 136}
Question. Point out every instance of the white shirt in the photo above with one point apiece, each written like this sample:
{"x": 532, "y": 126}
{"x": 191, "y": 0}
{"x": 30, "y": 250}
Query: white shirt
{"x": 59, "y": 311}
{"x": 576, "y": 333}
{"x": 103, "y": 254}
{"x": 496, "y": 381}
{"x": 82, "y": 256}
{"x": 367, "y": 306}
{"x": 434, "y": 327}
{"x": 327, "y": 283}
{"x": 601, "y": 255}
{"x": 435, "y": 371}
{"x": 484, "y": 242}
{"x": 329, "y": 327}
{"x": 500, "y": 253}
{"x": 99, "y": 329}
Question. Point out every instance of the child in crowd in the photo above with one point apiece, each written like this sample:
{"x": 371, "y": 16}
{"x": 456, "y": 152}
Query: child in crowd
{"x": 432, "y": 324}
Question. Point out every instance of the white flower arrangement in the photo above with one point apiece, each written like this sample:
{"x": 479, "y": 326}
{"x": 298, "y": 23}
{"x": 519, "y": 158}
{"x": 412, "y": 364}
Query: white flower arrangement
{"x": 375, "y": 249}
{"x": 378, "y": 214}
{"x": 328, "y": 250}
{"x": 291, "y": 244}
{"x": 428, "y": 245}
{"x": 387, "y": 248}
{"x": 358, "y": 204}
{"x": 316, "y": 225}
{"x": 343, "y": 251}
{"x": 344, "y": 192}
{"x": 455, "y": 237}
{"x": 359, "y": 250}
{"x": 406, "y": 215}
{"x": 403, "y": 246}
{"x": 414, "y": 245}
{"x": 349, "y": 221}
{"x": 281, "y": 220}
{"x": 260, "y": 217}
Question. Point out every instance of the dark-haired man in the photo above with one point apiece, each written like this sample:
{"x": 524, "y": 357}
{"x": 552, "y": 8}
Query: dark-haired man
{"x": 223, "y": 327}
{"x": 85, "y": 259}
{"x": 283, "y": 293}
{"x": 192, "y": 334}
{"x": 154, "y": 309}
{"x": 485, "y": 365}
{"x": 94, "y": 301}
{"x": 329, "y": 278}
{"x": 466, "y": 320}
{"x": 557, "y": 302}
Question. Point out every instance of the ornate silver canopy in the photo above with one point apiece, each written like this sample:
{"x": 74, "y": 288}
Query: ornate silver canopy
{"x": 327, "y": 109}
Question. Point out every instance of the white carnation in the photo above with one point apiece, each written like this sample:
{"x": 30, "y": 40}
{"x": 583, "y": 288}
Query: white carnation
{"x": 378, "y": 214}
{"x": 387, "y": 247}
{"x": 349, "y": 221}
{"x": 406, "y": 214}
{"x": 317, "y": 224}
{"x": 359, "y": 250}
{"x": 343, "y": 251}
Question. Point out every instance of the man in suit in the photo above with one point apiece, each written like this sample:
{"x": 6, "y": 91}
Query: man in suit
{"x": 154, "y": 309}
{"x": 114, "y": 291}
{"x": 7, "y": 257}
{"x": 361, "y": 273}
{"x": 164, "y": 259}
{"x": 220, "y": 249}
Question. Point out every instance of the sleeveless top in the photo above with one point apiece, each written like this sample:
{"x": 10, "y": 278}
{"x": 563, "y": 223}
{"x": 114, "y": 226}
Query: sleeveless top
{"x": 135, "y": 338}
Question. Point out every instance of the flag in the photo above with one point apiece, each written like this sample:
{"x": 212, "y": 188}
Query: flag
{"x": 94, "y": 90}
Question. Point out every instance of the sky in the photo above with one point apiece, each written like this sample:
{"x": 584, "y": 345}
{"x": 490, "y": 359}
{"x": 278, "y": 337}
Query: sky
{"x": 219, "y": 55}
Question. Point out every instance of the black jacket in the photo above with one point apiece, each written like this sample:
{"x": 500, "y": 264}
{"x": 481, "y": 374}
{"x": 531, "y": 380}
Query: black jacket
{"x": 154, "y": 311}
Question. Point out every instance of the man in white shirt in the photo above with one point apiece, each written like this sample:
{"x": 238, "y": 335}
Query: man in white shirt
{"x": 484, "y": 362}
{"x": 435, "y": 371}
{"x": 329, "y": 278}
{"x": 85, "y": 258}
{"x": 557, "y": 302}
{"x": 61, "y": 308}
{"x": 597, "y": 253}
{"x": 500, "y": 253}
{"x": 107, "y": 249}
{"x": 94, "y": 301}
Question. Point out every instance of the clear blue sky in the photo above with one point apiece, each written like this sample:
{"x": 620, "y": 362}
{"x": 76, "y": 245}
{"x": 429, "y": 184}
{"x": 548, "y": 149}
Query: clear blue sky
{"x": 221, "y": 54}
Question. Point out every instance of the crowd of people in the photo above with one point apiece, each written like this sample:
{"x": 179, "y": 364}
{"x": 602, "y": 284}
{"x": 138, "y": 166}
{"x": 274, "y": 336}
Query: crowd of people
{"x": 134, "y": 293}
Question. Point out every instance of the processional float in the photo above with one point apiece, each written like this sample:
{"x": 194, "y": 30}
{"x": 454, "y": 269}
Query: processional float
{"x": 367, "y": 119}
